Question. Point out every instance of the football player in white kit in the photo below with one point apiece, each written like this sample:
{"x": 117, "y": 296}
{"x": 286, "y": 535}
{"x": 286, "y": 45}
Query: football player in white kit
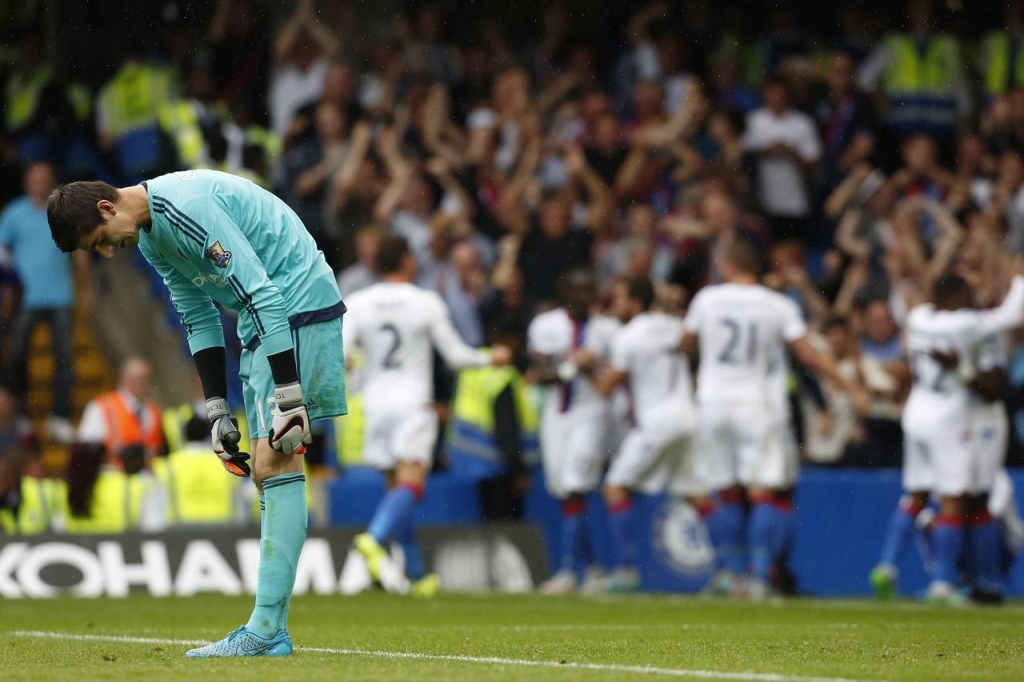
{"x": 948, "y": 344}
{"x": 568, "y": 347}
{"x": 743, "y": 448}
{"x": 656, "y": 451}
{"x": 397, "y": 325}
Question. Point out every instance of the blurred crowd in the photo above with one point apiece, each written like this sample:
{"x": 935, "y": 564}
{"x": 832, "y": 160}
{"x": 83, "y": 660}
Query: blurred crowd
{"x": 865, "y": 159}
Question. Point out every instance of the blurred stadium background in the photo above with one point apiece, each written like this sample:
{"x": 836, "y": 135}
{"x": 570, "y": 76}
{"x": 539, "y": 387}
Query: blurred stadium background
{"x": 506, "y": 141}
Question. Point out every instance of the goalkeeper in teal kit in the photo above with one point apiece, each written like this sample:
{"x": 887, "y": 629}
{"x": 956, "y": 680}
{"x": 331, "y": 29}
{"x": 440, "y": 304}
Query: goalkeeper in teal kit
{"x": 217, "y": 237}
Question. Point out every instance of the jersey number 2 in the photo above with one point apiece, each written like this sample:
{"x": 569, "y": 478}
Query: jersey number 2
{"x": 390, "y": 361}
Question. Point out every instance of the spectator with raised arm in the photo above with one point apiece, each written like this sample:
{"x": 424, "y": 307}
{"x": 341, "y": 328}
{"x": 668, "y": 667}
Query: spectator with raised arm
{"x": 302, "y": 51}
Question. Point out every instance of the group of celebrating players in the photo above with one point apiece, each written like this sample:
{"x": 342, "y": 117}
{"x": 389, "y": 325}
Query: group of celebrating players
{"x": 620, "y": 384}
{"x": 733, "y": 454}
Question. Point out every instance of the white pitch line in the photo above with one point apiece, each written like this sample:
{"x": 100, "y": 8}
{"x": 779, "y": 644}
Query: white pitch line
{"x": 490, "y": 660}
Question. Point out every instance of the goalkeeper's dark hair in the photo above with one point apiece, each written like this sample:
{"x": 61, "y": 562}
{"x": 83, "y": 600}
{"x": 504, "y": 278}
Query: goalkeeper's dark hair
{"x": 640, "y": 288}
{"x": 391, "y": 254}
{"x": 72, "y": 213}
{"x": 949, "y": 288}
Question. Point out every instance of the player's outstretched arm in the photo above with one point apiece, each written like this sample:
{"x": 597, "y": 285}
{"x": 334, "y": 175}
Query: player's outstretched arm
{"x": 1008, "y": 315}
{"x": 689, "y": 344}
{"x": 825, "y": 366}
{"x": 456, "y": 353}
{"x": 988, "y": 384}
{"x": 610, "y": 379}
{"x": 544, "y": 368}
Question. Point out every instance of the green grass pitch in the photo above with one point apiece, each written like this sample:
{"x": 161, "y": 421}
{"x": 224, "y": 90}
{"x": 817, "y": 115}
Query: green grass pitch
{"x": 464, "y": 637}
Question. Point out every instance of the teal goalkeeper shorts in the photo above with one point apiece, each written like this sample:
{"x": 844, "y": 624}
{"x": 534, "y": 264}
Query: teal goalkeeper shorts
{"x": 321, "y": 364}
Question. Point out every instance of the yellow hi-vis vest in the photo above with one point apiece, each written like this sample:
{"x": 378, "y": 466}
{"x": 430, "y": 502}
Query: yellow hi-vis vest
{"x": 199, "y": 490}
{"x": 262, "y": 137}
{"x": 922, "y": 87}
{"x": 175, "y": 419}
{"x": 471, "y": 431}
{"x": 181, "y": 122}
{"x": 80, "y": 98}
{"x": 348, "y": 432}
{"x": 996, "y": 51}
{"x": 116, "y": 504}
{"x": 936, "y": 71}
{"x": 133, "y": 98}
{"x": 23, "y": 92}
{"x": 37, "y": 509}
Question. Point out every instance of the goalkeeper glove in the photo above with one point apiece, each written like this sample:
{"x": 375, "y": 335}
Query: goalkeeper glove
{"x": 289, "y": 425}
{"x": 224, "y": 435}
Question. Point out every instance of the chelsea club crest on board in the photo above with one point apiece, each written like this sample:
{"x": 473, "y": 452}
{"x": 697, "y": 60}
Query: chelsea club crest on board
{"x": 680, "y": 539}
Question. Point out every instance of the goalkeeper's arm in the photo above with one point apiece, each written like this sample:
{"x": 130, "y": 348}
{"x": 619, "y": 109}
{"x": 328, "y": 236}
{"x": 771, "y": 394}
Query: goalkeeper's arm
{"x": 224, "y": 435}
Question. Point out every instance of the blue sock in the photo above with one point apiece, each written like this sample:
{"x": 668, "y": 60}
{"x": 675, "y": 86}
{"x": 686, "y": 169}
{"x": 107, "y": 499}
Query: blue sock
{"x": 620, "y": 524}
{"x": 949, "y": 543}
{"x": 282, "y": 535}
{"x": 899, "y": 530}
{"x": 574, "y": 532}
{"x": 392, "y": 512}
{"x": 767, "y": 527}
{"x": 984, "y": 552}
{"x": 726, "y": 528}
{"x": 585, "y": 549}
{"x": 405, "y": 535}
{"x": 783, "y": 536}
{"x": 926, "y": 547}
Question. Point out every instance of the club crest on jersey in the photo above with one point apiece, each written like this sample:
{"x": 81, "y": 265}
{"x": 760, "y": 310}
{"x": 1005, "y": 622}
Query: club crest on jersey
{"x": 218, "y": 255}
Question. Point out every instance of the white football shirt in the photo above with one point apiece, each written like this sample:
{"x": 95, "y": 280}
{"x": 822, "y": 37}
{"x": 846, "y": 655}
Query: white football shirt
{"x": 938, "y": 397}
{"x": 992, "y": 353}
{"x": 556, "y": 334}
{"x": 741, "y": 329}
{"x": 647, "y": 349}
{"x": 397, "y": 325}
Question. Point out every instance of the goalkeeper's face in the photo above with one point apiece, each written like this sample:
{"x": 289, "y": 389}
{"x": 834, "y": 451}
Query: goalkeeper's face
{"x": 117, "y": 231}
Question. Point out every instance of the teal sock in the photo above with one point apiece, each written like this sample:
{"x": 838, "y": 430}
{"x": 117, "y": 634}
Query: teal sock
{"x": 283, "y": 530}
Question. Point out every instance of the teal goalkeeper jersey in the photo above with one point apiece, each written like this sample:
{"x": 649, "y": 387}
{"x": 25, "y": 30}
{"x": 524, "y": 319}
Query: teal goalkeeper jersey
{"x": 218, "y": 237}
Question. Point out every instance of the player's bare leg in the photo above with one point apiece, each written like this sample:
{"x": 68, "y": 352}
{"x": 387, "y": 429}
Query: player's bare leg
{"x": 282, "y": 488}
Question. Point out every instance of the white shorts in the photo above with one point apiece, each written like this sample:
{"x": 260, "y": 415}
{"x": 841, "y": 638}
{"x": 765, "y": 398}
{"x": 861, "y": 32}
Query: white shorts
{"x": 938, "y": 460}
{"x": 400, "y": 437}
{"x": 573, "y": 448}
{"x": 990, "y": 438}
{"x": 654, "y": 455}
{"x": 619, "y": 423}
{"x": 747, "y": 445}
